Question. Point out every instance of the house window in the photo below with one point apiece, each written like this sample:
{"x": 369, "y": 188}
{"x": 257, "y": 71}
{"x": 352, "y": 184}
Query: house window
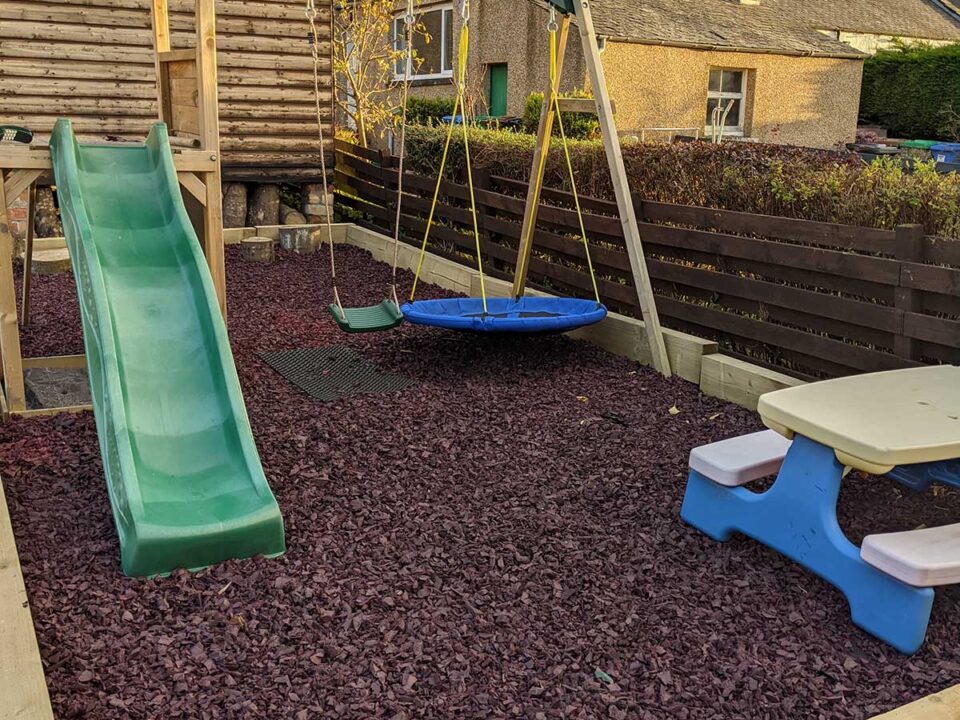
{"x": 432, "y": 44}
{"x": 727, "y": 89}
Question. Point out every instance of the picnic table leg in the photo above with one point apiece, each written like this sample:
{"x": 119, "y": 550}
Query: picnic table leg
{"x": 797, "y": 516}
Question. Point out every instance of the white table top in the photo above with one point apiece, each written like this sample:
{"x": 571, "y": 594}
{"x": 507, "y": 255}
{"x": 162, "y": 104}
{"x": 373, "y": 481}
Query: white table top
{"x": 878, "y": 421}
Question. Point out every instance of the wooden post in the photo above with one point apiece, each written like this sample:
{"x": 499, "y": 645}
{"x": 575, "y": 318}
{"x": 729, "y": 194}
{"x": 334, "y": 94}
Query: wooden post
{"x": 909, "y": 249}
{"x": 161, "y": 44}
{"x": 618, "y": 173}
{"x": 28, "y": 253}
{"x": 210, "y": 142}
{"x": 544, "y": 135}
{"x": 12, "y": 361}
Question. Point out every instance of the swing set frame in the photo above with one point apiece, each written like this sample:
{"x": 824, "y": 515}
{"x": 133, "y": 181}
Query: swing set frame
{"x": 581, "y": 11}
{"x": 569, "y": 10}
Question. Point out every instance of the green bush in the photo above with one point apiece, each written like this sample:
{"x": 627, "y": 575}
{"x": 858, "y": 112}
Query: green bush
{"x": 914, "y": 91}
{"x": 428, "y": 111}
{"x": 576, "y": 125}
{"x": 749, "y": 177}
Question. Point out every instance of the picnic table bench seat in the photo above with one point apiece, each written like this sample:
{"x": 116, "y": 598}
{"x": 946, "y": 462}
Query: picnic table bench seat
{"x": 737, "y": 461}
{"x": 928, "y": 557}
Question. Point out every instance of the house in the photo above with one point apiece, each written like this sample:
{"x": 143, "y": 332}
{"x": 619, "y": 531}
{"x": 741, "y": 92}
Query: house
{"x": 788, "y": 70}
{"x": 872, "y": 25}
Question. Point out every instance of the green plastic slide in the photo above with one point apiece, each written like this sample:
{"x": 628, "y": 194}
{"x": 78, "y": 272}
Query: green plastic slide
{"x": 183, "y": 473}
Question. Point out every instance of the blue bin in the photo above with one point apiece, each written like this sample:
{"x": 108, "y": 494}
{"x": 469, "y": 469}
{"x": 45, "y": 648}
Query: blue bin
{"x": 946, "y": 152}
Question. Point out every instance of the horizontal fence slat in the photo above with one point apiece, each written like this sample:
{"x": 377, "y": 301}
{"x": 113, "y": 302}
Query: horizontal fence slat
{"x": 860, "y": 358}
{"x": 805, "y": 232}
{"x": 832, "y": 262}
{"x": 849, "y": 311}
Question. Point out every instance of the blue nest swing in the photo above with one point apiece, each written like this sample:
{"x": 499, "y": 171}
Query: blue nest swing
{"x": 506, "y": 315}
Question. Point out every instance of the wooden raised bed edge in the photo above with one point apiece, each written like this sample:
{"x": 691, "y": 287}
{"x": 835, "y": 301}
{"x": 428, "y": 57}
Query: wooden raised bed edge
{"x": 694, "y": 359}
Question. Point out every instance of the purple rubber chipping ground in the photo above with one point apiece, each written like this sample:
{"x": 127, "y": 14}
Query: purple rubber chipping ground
{"x": 476, "y": 546}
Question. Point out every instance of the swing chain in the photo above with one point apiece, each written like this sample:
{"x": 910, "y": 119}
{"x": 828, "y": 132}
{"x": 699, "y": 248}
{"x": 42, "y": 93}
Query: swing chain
{"x": 553, "y": 26}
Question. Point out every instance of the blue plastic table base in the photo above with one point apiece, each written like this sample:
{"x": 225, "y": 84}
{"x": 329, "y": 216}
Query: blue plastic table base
{"x": 797, "y": 517}
{"x": 920, "y": 477}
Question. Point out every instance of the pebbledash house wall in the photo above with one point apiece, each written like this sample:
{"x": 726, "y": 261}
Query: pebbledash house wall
{"x": 514, "y": 33}
{"x": 793, "y": 100}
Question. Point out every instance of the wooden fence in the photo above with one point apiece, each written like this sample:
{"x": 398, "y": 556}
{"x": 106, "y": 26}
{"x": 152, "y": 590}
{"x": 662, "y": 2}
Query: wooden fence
{"x": 808, "y": 298}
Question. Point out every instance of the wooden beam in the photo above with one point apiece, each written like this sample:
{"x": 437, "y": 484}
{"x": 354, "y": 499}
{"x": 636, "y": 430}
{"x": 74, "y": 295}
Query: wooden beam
{"x": 28, "y": 255}
{"x": 942, "y": 706}
{"x": 10, "y": 356}
{"x": 33, "y": 157}
{"x": 210, "y": 140}
{"x": 50, "y": 412}
{"x": 621, "y": 187}
{"x": 19, "y": 180}
{"x": 544, "y": 135}
{"x": 22, "y": 685}
{"x": 56, "y": 362}
{"x": 194, "y": 185}
{"x": 583, "y": 106}
{"x": 37, "y": 157}
{"x": 201, "y": 161}
{"x": 177, "y": 55}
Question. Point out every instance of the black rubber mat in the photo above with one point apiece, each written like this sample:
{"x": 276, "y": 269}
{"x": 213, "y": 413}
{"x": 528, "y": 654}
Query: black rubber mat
{"x": 334, "y": 372}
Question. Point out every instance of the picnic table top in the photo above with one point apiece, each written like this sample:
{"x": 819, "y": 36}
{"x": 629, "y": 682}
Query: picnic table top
{"x": 878, "y": 421}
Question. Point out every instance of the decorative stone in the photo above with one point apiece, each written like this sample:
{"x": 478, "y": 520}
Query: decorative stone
{"x": 314, "y": 204}
{"x": 47, "y": 222}
{"x": 51, "y": 262}
{"x": 302, "y": 239}
{"x": 294, "y": 217}
{"x": 264, "y": 208}
{"x": 258, "y": 249}
{"x": 234, "y": 205}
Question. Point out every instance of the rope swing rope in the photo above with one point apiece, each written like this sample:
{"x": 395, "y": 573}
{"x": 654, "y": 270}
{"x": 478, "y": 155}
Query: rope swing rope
{"x": 386, "y": 315}
{"x": 460, "y": 108}
{"x": 553, "y": 28}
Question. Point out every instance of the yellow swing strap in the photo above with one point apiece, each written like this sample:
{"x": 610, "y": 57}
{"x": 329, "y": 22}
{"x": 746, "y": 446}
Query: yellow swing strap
{"x": 555, "y": 84}
{"x": 459, "y": 106}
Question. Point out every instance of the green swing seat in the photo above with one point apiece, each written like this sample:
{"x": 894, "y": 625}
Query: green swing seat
{"x": 375, "y": 318}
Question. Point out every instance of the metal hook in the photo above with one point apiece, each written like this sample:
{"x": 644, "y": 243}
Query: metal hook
{"x": 553, "y": 26}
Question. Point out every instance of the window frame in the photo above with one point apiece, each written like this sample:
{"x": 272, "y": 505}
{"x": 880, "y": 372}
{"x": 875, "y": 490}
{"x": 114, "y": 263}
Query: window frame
{"x": 446, "y": 63}
{"x": 737, "y": 130}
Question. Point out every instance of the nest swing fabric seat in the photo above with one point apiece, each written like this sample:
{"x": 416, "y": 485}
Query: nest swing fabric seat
{"x": 506, "y": 315}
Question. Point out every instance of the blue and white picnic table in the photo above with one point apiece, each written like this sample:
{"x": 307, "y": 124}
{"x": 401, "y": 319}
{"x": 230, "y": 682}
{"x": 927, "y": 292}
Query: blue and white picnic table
{"x": 903, "y": 424}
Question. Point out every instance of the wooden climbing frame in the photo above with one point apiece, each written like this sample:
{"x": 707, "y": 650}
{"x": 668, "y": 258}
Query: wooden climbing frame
{"x": 187, "y": 96}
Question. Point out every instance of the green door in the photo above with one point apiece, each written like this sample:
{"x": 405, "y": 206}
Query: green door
{"x": 498, "y": 90}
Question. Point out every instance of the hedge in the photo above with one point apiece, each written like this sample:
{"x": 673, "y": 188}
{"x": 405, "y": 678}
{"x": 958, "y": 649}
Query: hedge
{"x": 914, "y": 91}
{"x": 428, "y": 111}
{"x": 767, "y": 179}
{"x": 577, "y": 126}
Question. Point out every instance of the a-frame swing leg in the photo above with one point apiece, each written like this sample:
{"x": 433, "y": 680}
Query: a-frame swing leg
{"x": 544, "y": 135}
{"x": 621, "y": 187}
